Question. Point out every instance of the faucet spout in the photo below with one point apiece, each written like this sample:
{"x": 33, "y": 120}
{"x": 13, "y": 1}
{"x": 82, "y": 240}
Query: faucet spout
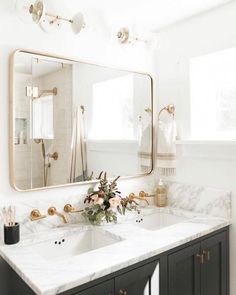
{"x": 53, "y": 211}
{"x": 141, "y": 197}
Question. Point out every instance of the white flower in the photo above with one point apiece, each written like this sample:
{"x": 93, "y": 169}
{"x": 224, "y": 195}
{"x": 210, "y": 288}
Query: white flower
{"x": 114, "y": 202}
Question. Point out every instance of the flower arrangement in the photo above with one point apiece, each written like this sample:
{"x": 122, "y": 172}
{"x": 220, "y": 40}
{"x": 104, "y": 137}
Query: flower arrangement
{"x": 106, "y": 201}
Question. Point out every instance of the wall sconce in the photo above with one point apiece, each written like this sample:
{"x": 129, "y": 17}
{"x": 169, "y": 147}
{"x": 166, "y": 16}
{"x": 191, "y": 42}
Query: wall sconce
{"x": 124, "y": 37}
{"x": 35, "y": 12}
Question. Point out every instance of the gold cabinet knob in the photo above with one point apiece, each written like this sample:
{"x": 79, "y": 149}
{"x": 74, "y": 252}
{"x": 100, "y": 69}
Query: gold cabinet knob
{"x": 207, "y": 255}
{"x": 200, "y": 258}
{"x": 123, "y": 292}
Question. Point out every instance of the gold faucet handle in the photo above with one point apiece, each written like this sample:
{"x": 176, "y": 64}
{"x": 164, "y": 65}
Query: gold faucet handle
{"x": 143, "y": 195}
{"x": 68, "y": 208}
{"x": 36, "y": 215}
{"x": 53, "y": 211}
{"x": 132, "y": 196}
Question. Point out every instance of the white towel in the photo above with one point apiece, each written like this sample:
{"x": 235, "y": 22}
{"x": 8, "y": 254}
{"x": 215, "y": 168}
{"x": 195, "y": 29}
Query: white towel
{"x": 166, "y": 149}
{"x": 78, "y": 164}
{"x": 145, "y": 150}
{"x": 42, "y": 117}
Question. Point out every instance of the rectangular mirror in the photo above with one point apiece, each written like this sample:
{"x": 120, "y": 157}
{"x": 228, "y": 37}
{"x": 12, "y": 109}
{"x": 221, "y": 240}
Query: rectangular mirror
{"x": 71, "y": 120}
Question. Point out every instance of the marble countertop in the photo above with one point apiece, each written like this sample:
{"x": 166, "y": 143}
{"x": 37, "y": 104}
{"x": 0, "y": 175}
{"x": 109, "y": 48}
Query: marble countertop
{"x": 136, "y": 244}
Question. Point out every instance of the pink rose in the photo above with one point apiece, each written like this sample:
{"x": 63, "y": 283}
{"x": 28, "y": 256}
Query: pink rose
{"x": 94, "y": 197}
{"x": 97, "y": 200}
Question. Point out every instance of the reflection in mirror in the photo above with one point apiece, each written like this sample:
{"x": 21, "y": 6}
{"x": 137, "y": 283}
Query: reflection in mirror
{"x": 73, "y": 120}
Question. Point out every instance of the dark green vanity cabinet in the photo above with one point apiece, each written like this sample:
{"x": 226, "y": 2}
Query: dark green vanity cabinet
{"x": 136, "y": 281}
{"x": 200, "y": 267}
{"x": 184, "y": 271}
{"x": 140, "y": 281}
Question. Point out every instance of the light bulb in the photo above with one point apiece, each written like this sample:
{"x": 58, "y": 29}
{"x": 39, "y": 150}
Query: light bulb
{"x": 23, "y": 10}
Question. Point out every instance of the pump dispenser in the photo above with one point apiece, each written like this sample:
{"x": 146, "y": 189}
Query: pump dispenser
{"x": 161, "y": 194}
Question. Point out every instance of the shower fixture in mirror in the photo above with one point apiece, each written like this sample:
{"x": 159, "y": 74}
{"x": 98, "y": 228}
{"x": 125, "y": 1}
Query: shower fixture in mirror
{"x": 71, "y": 120}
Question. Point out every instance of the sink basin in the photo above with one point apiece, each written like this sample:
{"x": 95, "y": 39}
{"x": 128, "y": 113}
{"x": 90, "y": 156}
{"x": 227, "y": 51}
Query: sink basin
{"x": 75, "y": 243}
{"x": 158, "y": 220}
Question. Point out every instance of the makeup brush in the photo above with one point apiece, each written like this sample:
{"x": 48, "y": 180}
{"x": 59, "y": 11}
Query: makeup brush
{"x": 14, "y": 216}
{"x": 8, "y": 216}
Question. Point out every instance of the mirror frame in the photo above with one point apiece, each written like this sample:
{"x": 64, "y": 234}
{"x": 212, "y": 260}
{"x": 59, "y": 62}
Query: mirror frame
{"x": 12, "y": 119}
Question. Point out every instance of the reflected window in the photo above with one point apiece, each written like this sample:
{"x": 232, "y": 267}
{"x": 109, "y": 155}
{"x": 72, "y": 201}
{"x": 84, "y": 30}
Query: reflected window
{"x": 213, "y": 95}
{"x": 112, "y": 109}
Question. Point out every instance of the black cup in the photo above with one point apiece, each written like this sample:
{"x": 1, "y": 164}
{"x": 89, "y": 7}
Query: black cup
{"x": 12, "y": 234}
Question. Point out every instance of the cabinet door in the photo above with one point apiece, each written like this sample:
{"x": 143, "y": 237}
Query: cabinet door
{"x": 106, "y": 288}
{"x": 11, "y": 283}
{"x": 215, "y": 268}
{"x": 184, "y": 271}
{"x": 140, "y": 281}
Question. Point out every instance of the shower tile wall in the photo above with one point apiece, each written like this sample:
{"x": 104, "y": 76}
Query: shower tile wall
{"x": 29, "y": 161}
{"x": 58, "y": 173}
{"x": 62, "y": 122}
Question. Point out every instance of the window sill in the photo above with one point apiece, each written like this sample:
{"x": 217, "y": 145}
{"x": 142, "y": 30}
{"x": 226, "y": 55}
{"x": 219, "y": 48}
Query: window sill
{"x": 205, "y": 142}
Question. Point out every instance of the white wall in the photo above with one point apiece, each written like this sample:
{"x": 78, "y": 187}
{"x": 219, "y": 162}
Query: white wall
{"x": 87, "y": 46}
{"x": 212, "y": 165}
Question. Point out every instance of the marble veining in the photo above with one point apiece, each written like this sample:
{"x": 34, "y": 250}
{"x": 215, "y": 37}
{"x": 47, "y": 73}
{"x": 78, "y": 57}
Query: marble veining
{"x": 200, "y": 199}
{"x": 136, "y": 244}
{"x": 187, "y": 197}
{"x": 206, "y": 209}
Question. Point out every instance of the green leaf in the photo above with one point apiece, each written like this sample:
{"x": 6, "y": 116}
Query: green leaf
{"x": 123, "y": 210}
{"x": 119, "y": 210}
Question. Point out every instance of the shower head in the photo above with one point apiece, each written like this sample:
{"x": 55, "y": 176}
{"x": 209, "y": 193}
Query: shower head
{"x": 38, "y": 140}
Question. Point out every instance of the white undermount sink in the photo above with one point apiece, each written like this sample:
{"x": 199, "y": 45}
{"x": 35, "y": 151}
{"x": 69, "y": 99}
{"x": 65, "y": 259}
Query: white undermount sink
{"x": 74, "y": 244}
{"x": 158, "y": 220}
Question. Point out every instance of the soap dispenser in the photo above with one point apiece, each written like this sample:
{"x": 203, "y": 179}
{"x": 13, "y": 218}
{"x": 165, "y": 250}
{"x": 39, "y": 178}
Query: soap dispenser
{"x": 161, "y": 194}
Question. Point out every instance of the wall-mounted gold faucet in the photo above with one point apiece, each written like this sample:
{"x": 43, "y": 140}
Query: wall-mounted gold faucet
{"x": 142, "y": 196}
{"x": 68, "y": 208}
{"x": 53, "y": 211}
{"x": 36, "y": 215}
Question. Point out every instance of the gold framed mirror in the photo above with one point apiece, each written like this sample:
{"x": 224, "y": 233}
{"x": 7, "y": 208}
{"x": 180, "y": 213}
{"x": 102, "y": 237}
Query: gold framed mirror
{"x": 71, "y": 120}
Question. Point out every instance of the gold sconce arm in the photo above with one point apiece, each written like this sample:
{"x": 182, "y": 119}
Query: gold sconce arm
{"x": 68, "y": 208}
{"x": 36, "y": 215}
{"x": 53, "y": 211}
